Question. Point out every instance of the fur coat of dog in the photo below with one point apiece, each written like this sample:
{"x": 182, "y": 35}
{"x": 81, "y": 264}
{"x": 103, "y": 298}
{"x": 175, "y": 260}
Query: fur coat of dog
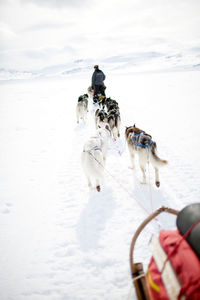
{"x": 114, "y": 122}
{"x": 140, "y": 143}
{"x": 100, "y": 117}
{"x": 93, "y": 157}
{"x": 82, "y": 108}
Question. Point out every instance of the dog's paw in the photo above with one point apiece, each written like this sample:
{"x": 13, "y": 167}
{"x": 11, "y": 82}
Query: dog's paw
{"x": 157, "y": 183}
{"x": 98, "y": 188}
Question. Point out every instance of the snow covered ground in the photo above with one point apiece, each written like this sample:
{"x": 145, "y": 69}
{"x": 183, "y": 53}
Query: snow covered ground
{"x": 58, "y": 240}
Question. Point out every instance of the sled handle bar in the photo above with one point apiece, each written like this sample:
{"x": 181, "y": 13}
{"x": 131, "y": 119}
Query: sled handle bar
{"x": 137, "y": 268}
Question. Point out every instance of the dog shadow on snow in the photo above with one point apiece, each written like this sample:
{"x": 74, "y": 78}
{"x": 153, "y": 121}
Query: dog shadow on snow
{"x": 94, "y": 217}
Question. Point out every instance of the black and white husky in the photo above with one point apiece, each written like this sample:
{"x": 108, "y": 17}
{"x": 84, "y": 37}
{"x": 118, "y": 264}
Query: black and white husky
{"x": 100, "y": 117}
{"x": 140, "y": 142}
{"x": 114, "y": 122}
{"x": 82, "y": 108}
{"x": 93, "y": 157}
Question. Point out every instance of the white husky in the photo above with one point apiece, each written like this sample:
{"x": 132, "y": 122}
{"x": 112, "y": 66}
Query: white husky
{"x": 93, "y": 157}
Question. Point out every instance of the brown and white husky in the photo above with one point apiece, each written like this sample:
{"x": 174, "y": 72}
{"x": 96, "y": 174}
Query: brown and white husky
{"x": 139, "y": 142}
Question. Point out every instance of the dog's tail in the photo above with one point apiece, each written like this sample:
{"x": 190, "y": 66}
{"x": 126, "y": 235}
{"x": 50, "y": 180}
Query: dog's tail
{"x": 157, "y": 161}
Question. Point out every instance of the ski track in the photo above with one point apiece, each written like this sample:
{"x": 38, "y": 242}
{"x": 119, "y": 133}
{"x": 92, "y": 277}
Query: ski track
{"x": 79, "y": 246}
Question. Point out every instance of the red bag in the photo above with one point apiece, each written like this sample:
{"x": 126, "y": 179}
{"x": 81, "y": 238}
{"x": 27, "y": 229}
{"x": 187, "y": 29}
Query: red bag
{"x": 185, "y": 267}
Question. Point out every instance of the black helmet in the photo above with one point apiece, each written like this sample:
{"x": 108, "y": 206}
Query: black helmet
{"x": 96, "y": 66}
{"x": 186, "y": 218}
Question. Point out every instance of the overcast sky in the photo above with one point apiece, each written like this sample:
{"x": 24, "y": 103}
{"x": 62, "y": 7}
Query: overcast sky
{"x": 38, "y": 33}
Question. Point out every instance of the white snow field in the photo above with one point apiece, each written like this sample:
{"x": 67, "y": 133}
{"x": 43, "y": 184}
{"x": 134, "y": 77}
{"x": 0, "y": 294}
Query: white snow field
{"x": 58, "y": 239}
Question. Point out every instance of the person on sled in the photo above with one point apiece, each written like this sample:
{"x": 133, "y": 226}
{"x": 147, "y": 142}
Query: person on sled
{"x": 98, "y": 78}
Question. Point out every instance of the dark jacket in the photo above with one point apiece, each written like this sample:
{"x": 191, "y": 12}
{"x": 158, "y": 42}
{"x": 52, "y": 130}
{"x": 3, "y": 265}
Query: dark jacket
{"x": 98, "y": 77}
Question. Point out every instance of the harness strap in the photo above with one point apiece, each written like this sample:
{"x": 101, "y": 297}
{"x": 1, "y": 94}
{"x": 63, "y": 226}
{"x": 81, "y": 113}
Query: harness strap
{"x": 94, "y": 148}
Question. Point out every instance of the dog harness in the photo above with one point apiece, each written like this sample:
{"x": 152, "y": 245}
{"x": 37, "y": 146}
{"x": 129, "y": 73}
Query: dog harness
{"x": 109, "y": 102}
{"x": 137, "y": 143}
{"x": 94, "y": 148}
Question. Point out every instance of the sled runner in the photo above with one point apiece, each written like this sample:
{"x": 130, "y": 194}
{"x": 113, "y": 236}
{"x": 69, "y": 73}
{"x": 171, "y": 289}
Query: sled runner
{"x": 174, "y": 269}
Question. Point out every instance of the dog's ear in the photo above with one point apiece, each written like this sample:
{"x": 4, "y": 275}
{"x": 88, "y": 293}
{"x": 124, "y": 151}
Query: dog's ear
{"x": 80, "y": 98}
{"x": 134, "y": 125}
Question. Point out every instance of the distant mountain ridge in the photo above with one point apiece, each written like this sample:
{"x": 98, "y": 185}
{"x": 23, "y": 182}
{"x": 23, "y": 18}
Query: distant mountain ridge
{"x": 132, "y": 62}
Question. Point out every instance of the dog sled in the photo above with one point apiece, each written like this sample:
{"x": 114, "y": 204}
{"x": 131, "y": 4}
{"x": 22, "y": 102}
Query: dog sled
{"x": 174, "y": 268}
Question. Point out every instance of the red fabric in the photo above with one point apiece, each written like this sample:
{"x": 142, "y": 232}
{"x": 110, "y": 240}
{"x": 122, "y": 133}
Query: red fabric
{"x": 156, "y": 278}
{"x": 184, "y": 261}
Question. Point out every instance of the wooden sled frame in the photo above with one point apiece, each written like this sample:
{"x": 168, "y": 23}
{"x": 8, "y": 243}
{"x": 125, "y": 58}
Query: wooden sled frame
{"x": 137, "y": 271}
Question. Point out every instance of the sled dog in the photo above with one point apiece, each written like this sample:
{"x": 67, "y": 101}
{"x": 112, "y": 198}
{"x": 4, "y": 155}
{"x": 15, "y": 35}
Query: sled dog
{"x": 93, "y": 157}
{"x": 110, "y": 104}
{"x": 82, "y": 108}
{"x": 102, "y": 101}
{"x": 91, "y": 91}
{"x": 114, "y": 122}
{"x": 140, "y": 142}
{"x": 100, "y": 117}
